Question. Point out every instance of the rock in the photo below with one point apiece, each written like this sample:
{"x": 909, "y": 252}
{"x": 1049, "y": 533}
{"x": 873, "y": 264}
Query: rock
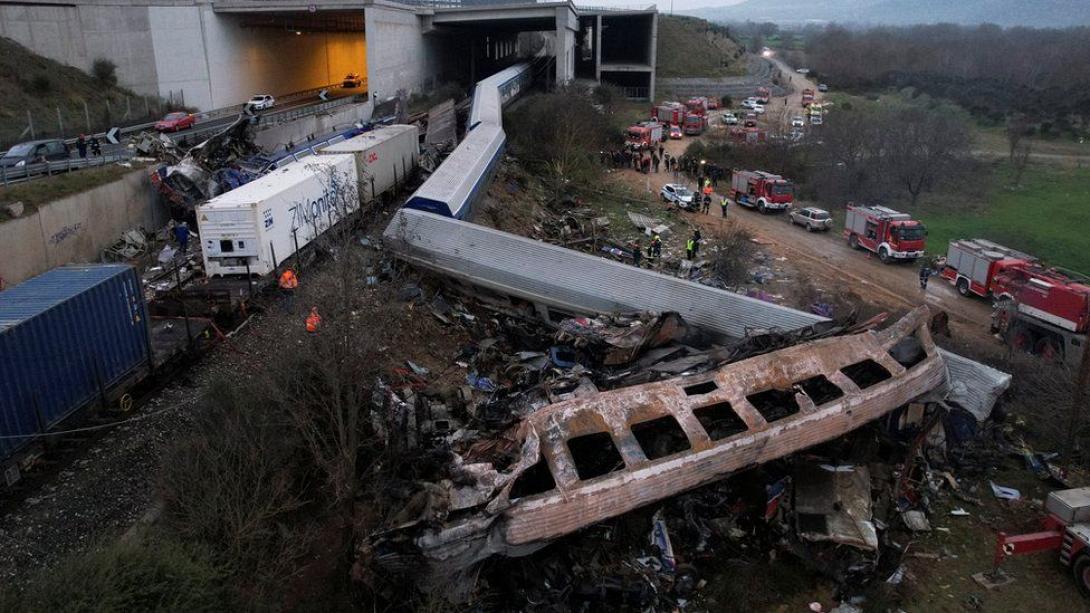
{"x": 15, "y": 209}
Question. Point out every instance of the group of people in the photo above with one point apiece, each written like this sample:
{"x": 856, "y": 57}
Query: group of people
{"x": 288, "y": 283}
{"x": 82, "y": 144}
{"x": 639, "y": 157}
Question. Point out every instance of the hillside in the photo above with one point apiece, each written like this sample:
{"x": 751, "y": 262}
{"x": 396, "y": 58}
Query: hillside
{"x": 40, "y": 85}
{"x": 690, "y": 47}
{"x": 1032, "y": 13}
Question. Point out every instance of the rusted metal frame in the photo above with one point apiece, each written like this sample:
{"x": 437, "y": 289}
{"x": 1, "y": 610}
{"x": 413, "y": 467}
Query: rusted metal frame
{"x": 574, "y": 503}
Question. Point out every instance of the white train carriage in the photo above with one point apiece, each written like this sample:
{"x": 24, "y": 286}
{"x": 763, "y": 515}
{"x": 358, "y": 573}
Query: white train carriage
{"x": 251, "y": 229}
{"x": 460, "y": 181}
{"x": 492, "y": 94}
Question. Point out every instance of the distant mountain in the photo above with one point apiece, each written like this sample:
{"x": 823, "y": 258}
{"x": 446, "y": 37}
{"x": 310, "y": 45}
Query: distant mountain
{"x": 1032, "y": 13}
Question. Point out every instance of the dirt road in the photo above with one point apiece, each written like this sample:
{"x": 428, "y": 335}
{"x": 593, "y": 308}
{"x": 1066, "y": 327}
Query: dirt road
{"x": 826, "y": 258}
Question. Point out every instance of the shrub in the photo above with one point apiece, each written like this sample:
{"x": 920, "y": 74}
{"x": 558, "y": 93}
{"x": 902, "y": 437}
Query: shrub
{"x": 735, "y": 255}
{"x": 145, "y": 574}
{"x": 105, "y": 71}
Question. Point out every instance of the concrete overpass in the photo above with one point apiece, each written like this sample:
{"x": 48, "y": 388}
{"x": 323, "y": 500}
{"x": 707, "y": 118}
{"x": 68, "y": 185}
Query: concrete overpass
{"x": 216, "y": 53}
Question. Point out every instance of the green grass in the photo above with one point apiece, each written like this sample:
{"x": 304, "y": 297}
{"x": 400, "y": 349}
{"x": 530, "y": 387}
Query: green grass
{"x": 1048, "y": 216}
{"x": 689, "y": 47}
{"x": 47, "y": 189}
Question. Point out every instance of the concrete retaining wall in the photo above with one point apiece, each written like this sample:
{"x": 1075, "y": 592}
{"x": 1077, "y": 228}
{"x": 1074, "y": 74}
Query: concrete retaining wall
{"x": 299, "y": 130}
{"x": 77, "y": 228}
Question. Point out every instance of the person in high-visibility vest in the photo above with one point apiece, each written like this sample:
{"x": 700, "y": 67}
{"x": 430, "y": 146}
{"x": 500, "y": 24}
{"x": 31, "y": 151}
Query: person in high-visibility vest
{"x": 690, "y": 248}
{"x": 723, "y": 205}
{"x": 288, "y": 283}
{"x": 313, "y": 320}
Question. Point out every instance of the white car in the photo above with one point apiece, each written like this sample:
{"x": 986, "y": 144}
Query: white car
{"x": 802, "y": 70}
{"x": 759, "y": 109}
{"x": 678, "y": 194}
{"x": 260, "y": 102}
{"x": 749, "y": 103}
{"x": 816, "y": 119}
{"x": 798, "y": 122}
{"x": 823, "y": 87}
{"x": 730, "y": 119}
{"x": 814, "y": 219}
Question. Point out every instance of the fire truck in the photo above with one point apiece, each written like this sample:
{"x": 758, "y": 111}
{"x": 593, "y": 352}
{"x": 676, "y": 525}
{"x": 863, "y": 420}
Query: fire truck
{"x": 1042, "y": 311}
{"x": 644, "y": 133}
{"x": 694, "y": 124}
{"x": 1064, "y": 528}
{"x": 891, "y": 234}
{"x": 670, "y": 113}
{"x": 764, "y": 95}
{"x": 972, "y": 265}
{"x": 761, "y": 190}
{"x": 697, "y": 105}
{"x": 807, "y": 97}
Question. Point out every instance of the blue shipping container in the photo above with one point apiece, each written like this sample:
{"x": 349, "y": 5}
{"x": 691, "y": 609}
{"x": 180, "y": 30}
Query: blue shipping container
{"x": 66, "y": 337}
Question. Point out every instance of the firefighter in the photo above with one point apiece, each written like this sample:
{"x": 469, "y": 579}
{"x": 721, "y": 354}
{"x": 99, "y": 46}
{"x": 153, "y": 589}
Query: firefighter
{"x": 637, "y": 253}
{"x": 723, "y": 205}
{"x": 925, "y": 272}
{"x": 690, "y": 248}
{"x": 656, "y": 247}
{"x": 313, "y": 320}
{"x": 707, "y": 203}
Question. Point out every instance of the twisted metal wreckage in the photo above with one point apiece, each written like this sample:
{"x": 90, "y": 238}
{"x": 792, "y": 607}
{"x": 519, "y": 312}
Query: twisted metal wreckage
{"x": 594, "y": 457}
{"x": 590, "y": 458}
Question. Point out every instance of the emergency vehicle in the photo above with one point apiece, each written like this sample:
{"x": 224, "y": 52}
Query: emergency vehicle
{"x": 891, "y": 234}
{"x": 761, "y": 190}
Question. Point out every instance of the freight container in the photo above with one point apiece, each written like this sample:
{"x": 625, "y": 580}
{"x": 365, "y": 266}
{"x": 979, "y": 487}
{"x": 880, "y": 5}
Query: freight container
{"x": 68, "y": 338}
{"x": 384, "y": 156}
{"x": 252, "y": 229}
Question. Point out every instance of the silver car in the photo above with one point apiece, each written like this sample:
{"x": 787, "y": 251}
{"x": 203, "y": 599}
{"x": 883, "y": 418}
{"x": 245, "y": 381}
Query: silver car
{"x": 814, "y": 219}
{"x": 678, "y": 194}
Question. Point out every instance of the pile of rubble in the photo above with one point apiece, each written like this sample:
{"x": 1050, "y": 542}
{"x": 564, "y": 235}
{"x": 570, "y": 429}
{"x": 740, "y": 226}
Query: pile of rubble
{"x": 612, "y": 438}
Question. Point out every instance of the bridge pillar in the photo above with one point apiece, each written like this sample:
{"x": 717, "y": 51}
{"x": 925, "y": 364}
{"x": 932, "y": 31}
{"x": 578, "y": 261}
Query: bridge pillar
{"x": 567, "y": 24}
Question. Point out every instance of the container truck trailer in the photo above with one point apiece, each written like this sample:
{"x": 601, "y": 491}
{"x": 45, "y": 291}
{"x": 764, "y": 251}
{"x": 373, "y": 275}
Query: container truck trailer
{"x": 252, "y": 229}
{"x": 384, "y": 157}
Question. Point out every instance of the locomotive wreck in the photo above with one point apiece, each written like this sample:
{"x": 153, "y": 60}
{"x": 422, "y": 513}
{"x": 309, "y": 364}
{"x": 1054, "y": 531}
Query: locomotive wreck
{"x": 594, "y": 457}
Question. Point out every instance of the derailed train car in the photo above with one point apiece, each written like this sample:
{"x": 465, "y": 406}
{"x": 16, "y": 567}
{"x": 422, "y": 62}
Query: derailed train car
{"x": 458, "y": 183}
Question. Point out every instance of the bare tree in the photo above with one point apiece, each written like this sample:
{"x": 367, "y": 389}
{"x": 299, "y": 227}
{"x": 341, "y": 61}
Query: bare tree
{"x": 1019, "y": 160}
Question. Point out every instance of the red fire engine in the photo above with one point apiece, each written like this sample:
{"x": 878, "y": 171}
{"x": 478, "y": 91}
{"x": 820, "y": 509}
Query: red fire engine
{"x": 971, "y": 264}
{"x": 697, "y": 105}
{"x": 807, "y": 97}
{"x": 1065, "y": 528}
{"x": 694, "y": 124}
{"x": 1042, "y": 311}
{"x": 763, "y": 95}
{"x": 670, "y": 113}
{"x": 890, "y": 234}
{"x": 647, "y": 133}
{"x": 761, "y": 190}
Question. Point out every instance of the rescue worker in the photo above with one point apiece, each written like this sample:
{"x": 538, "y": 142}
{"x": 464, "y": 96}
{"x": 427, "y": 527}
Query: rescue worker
{"x": 96, "y": 147}
{"x": 723, "y": 205}
{"x": 637, "y": 253}
{"x": 925, "y": 272}
{"x": 81, "y": 146}
{"x": 313, "y": 320}
{"x": 690, "y": 248}
{"x": 181, "y": 234}
{"x": 656, "y": 247}
{"x": 288, "y": 282}
{"x": 707, "y": 203}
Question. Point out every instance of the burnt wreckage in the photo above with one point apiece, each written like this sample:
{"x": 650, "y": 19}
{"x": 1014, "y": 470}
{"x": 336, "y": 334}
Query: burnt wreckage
{"x": 597, "y": 456}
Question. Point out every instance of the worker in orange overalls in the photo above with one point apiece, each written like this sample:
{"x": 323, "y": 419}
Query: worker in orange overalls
{"x": 313, "y": 320}
{"x": 288, "y": 282}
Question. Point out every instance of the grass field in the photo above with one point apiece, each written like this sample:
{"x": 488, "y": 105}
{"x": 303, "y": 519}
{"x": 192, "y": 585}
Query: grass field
{"x": 46, "y": 189}
{"x": 1047, "y": 216}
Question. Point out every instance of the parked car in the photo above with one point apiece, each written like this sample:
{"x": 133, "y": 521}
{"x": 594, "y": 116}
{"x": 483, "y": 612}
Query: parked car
{"x": 260, "y": 102}
{"x": 678, "y": 194}
{"x": 816, "y": 119}
{"x": 749, "y": 103}
{"x": 797, "y": 121}
{"x": 802, "y": 70}
{"x": 823, "y": 87}
{"x": 751, "y": 120}
{"x": 730, "y": 119}
{"x": 352, "y": 79}
{"x": 175, "y": 121}
{"x": 675, "y": 131}
{"x": 814, "y": 219}
{"x": 34, "y": 152}
{"x": 759, "y": 109}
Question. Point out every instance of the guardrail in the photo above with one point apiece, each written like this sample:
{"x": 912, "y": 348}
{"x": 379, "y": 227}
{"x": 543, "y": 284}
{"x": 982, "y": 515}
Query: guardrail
{"x": 23, "y": 174}
{"x": 211, "y": 114}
